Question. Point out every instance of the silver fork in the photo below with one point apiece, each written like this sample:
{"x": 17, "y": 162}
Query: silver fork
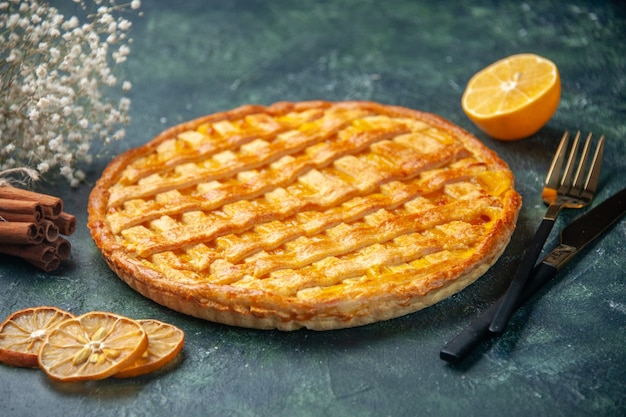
{"x": 566, "y": 190}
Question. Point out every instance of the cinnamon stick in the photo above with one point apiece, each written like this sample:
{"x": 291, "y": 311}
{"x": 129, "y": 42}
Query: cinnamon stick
{"x": 20, "y": 210}
{"x": 37, "y": 253}
{"x": 66, "y": 223}
{"x": 30, "y": 225}
{"x": 21, "y": 233}
{"x": 61, "y": 247}
{"x": 50, "y": 230}
{"x": 46, "y": 255}
{"x": 52, "y": 206}
{"x": 46, "y": 266}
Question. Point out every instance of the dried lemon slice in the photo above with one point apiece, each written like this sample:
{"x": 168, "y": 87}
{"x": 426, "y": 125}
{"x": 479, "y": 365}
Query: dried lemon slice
{"x": 93, "y": 346}
{"x": 164, "y": 342}
{"x": 23, "y": 332}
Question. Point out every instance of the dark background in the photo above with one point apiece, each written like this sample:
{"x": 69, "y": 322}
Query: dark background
{"x": 562, "y": 355}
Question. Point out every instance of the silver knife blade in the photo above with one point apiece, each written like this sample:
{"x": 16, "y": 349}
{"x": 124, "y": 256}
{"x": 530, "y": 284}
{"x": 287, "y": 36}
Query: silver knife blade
{"x": 576, "y": 235}
{"x": 574, "y": 238}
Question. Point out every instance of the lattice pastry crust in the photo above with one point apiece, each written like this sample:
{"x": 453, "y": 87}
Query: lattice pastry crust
{"x": 312, "y": 214}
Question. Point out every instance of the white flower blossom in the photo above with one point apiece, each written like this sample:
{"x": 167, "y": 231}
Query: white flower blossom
{"x": 11, "y": 22}
{"x": 71, "y": 23}
{"x": 33, "y": 115}
{"x": 124, "y": 24}
{"x": 54, "y": 77}
{"x": 43, "y": 167}
{"x": 66, "y": 171}
{"x": 41, "y": 71}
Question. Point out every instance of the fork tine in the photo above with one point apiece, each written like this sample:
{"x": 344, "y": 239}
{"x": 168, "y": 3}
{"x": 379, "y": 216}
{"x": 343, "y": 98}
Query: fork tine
{"x": 591, "y": 183}
{"x": 578, "y": 178}
{"x": 568, "y": 195}
{"x": 554, "y": 173}
{"x": 566, "y": 179}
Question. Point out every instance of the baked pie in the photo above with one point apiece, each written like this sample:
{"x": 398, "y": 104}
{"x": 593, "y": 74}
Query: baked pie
{"x": 312, "y": 214}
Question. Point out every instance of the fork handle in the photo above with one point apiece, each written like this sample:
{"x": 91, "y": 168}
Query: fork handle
{"x": 478, "y": 330}
{"x": 511, "y": 297}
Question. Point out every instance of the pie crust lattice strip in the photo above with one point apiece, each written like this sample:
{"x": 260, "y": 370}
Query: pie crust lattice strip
{"x": 316, "y": 214}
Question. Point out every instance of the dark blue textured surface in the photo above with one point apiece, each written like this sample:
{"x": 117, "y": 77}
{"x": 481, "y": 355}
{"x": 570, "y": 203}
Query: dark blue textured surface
{"x": 563, "y": 354}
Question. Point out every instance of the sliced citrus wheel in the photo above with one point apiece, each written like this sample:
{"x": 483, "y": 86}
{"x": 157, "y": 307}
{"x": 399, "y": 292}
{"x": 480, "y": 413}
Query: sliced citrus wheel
{"x": 23, "y": 332}
{"x": 95, "y": 345}
{"x": 514, "y": 97}
{"x": 164, "y": 342}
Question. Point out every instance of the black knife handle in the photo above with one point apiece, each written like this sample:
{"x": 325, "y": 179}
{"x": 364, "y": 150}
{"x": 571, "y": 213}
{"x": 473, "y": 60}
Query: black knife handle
{"x": 463, "y": 344}
{"x": 512, "y": 295}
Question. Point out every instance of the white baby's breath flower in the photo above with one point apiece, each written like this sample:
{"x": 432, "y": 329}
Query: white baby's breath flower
{"x": 33, "y": 115}
{"x": 43, "y": 167}
{"x": 83, "y": 149}
{"x": 71, "y": 23}
{"x": 54, "y": 77}
{"x": 57, "y": 19}
{"x": 124, "y": 50}
{"x": 124, "y": 24}
{"x": 9, "y": 148}
{"x": 27, "y": 89}
{"x": 66, "y": 171}
{"x": 55, "y": 54}
{"x": 54, "y": 32}
{"x": 110, "y": 80}
{"x": 23, "y": 22}
{"x": 12, "y": 21}
{"x": 41, "y": 71}
{"x": 54, "y": 144}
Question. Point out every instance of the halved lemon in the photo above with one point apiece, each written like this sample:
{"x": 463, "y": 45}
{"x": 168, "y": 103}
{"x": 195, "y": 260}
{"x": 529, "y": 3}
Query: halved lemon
{"x": 514, "y": 97}
{"x": 23, "y": 332}
{"x": 92, "y": 346}
{"x": 165, "y": 341}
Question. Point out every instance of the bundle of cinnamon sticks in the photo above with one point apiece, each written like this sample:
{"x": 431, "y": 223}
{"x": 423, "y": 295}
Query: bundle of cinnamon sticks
{"x": 31, "y": 225}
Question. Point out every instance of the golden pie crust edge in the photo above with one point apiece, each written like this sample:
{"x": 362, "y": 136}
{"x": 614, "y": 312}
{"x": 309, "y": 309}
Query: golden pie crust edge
{"x": 242, "y": 307}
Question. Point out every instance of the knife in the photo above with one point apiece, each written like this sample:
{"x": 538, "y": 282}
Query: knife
{"x": 573, "y": 239}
